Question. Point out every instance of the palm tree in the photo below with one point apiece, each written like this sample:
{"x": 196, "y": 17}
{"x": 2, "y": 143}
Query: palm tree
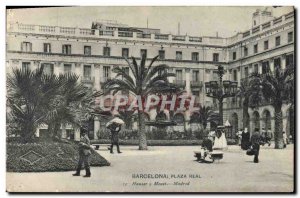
{"x": 29, "y": 96}
{"x": 145, "y": 81}
{"x": 244, "y": 94}
{"x": 206, "y": 114}
{"x": 273, "y": 86}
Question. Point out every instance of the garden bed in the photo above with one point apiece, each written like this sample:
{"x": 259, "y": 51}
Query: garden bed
{"x": 159, "y": 142}
{"x": 46, "y": 157}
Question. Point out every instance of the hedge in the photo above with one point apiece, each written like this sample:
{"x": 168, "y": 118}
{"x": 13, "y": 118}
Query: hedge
{"x": 159, "y": 142}
{"x": 46, "y": 157}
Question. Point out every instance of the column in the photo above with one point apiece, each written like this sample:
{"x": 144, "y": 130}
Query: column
{"x": 271, "y": 64}
{"x": 57, "y": 66}
{"x": 35, "y": 65}
{"x": 260, "y": 67}
{"x": 239, "y": 75}
{"x": 283, "y": 62}
{"x": 97, "y": 77}
{"x": 273, "y": 126}
{"x": 78, "y": 70}
{"x": 171, "y": 79}
{"x": 63, "y": 131}
{"x": 77, "y": 134}
{"x": 96, "y": 128}
{"x": 188, "y": 80}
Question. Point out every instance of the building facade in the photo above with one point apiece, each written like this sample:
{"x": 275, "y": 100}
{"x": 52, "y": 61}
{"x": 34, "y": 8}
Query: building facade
{"x": 92, "y": 53}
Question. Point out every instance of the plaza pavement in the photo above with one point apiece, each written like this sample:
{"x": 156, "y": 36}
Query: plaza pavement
{"x": 236, "y": 172}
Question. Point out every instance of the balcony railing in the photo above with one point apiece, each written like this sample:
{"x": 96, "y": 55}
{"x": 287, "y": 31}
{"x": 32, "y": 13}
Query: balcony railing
{"x": 180, "y": 83}
{"x": 278, "y": 20}
{"x": 141, "y": 35}
{"x": 67, "y": 30}
{"x": 50, "y": 29}
{"x": 87, "y": 79}
{"x": 195, "y": 39}
{"x": 178, "y": 38}
{"x": 162, "y": 36}
{"x": 245, "y": 34}
{"x": 266, "y": 25}
{"x": 256, "y": 29}
{"x": 106, "y": 33}
{"x": 125, "y": 34}
{"x": 86, "y": 31}
{"x": 196, "y": 84}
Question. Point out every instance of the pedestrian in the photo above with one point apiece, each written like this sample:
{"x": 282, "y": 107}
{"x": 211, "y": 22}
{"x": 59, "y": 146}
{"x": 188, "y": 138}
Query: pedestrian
{"x": 245, "y": 139}
{"x": 114, "y": 129}
{"x": 220, "y": 141}
{"x": 239, "y": 136}
{"x": 284, "y": 136}
{"x": 255, "y": 144}
{"x": 84, "y": 154}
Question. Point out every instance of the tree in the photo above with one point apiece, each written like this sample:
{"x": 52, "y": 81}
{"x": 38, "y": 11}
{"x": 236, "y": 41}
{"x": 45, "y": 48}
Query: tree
{"x": 244, "y": 94}
{"x": 274, "y": 87}
{"x": 145, "y": 81}
{"x": 206, "y": 114}
{"x": 29, "y": 94}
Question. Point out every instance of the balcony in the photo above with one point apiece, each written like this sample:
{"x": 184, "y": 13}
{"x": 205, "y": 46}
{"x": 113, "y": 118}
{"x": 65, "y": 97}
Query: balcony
{"x": 145, "y": 36}
{"x": 125, "y": 34}
{"x": 256, "y": 29}
{"x": 106, "y": 33}
{"x": 178, "y": 38}
{"x": 266, "y": 25}
{"x": 87, "y": 79}
{"x": 180, "y": 83}
{"x": 162, "y": 36}
{"x": 195, "y": 39}
{"x": 196, "y": 85}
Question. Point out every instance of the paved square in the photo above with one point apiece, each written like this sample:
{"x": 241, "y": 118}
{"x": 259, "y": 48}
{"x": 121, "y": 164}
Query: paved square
{"x": 236, "y": 172}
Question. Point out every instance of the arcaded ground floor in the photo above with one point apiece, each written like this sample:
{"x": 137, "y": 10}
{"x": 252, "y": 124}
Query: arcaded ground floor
{"x": 178, "y": 170}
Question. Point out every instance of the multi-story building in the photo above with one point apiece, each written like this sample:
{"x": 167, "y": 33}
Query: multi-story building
{"x": 92, "y": 53}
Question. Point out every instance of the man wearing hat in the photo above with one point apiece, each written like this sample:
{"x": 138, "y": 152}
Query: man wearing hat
{"x": 84, "y": 153}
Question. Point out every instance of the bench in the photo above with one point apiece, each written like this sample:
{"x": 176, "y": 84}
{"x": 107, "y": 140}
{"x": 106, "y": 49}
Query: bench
{"x": 97, "y": 146}
{"x": 214, "y": 155}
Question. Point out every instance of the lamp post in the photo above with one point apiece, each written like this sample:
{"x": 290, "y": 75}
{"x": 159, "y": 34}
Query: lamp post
{"x": 220, "y": 90}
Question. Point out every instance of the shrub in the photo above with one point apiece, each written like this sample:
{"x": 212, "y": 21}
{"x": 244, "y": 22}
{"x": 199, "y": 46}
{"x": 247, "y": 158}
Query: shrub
{"x": 42, "y": 157}
{"x": 158, "y": 142}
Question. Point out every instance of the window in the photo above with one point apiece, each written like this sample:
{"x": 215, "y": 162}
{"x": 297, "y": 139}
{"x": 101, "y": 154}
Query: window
{"x": 277, "y": 63}
{"x": 67, "y": 68}
{"x": 215, "y": 57}
{"x": 195, "y": 56}
{"x": 195, "y": 76}
{"x": 106, "y": 73}
{"x": 246, "y": 72}
{"x": 245, "y": 51}
{"x": 161, "y": 54}
{"x": 48, "y": 68}
{"x": 178, "y": 55}
{"x": 256, "y": 68}
{"x": 266, "y": 45}
{"x": 25, "y": 65}
{"x": 125, "y": 52}
{"x": 87, "y": 50}
{"x": 179, "y": 75}
{"x": 233, "y": 55}
{"x": 277, "y": 41}
{"x": 265, "y": 67}
{"x": 87, "y": 70}
{"x": 255, "y": 48}
{"x": 66, "y": 49}
{"x": 289, "y": 60}
{"x": 26, "y": 47}
{"x": 290, "y": 37}
{"x": 47, "y": 47}
{"x": 234, "y": 75}
{"x": 106, "y": 51}
{"x": 144, "y": 53}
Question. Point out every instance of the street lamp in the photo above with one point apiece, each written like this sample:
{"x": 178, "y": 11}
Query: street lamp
{"x": 220, "y": 90}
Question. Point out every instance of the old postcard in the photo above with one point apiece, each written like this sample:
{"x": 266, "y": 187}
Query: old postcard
{"x": 150, "y": 99}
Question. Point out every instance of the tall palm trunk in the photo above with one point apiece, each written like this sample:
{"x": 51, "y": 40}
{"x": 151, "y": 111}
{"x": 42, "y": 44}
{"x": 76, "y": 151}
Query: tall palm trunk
{"x": 245, "y": 114}
{"x": 278, "y": 135}
{"x": 142, "y": 132}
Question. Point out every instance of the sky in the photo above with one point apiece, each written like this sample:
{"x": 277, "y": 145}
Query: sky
{"x": 194, "y": 21}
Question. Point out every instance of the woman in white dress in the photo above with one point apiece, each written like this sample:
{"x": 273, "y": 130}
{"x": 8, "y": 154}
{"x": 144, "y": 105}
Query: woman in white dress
{"x": 220, "y": 140}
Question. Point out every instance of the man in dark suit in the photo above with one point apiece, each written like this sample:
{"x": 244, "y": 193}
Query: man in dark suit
{"x": 84, "y": 154}
{"x": 255, "y": 143}
{"x": 115, "y": 128}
